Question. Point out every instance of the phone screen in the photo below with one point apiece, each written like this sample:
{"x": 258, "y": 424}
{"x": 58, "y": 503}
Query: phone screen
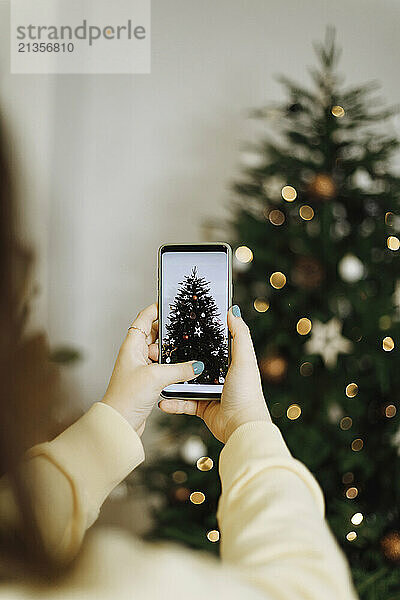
{"x": 194, "y": 304}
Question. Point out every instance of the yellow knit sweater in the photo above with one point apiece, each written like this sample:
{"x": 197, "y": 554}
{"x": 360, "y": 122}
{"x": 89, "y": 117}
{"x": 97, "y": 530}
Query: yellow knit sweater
{"x": 275, "y": 544}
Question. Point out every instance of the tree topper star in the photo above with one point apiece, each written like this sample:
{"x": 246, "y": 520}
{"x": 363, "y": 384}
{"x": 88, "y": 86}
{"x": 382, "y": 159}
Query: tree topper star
{"x": 326, "y": 340}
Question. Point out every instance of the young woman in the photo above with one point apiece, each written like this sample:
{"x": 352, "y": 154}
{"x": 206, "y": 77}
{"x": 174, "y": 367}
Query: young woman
{"x": 275, "y": 543}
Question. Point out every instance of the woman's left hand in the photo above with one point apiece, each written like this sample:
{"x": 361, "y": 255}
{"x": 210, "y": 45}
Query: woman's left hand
{"x": 137, "y": 381}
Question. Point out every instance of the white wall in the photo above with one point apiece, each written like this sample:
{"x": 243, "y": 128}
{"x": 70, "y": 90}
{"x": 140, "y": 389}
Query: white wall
{"x": 112, "y": 165}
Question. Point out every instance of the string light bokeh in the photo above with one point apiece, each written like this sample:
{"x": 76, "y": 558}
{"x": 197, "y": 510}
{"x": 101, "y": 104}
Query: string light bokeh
{"x": 205, "y": 463}
{"x": 293, "y": 412}
{"x": 289, "y": 193}
{"x": 351, "y": 493}
{"x": 388, "y": 344}
{"x": 244, "y": 254}
{"x": 338, "y": 111}
{"x": 306, "y": 212}
{"x": 357, "y": 445}
{"x": 393, "y": 243}
{"x": 306, "y": 369}
{"x": 261, "y": 305}
{"x": 346, "y": 423}
{"x": 351, "y": 390}
{"x": 179, "y": 476}
{"x": 213, "y": 535}
{"x": 197, "y": 497}
{"x": 276, "y": 217}
{"x": 348, "y": 478}
{"x": 357, "y": 518}
{"x": 390, "y": 411}
{"x": 303, "y": 326}
{"x": 278, "y": 280}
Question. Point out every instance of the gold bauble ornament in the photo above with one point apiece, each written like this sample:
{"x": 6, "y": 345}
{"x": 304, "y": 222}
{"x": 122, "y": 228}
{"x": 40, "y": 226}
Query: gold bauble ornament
{"x": 308, "y": 272}
{"x": 322, "y": 186}
{"x": 273, "y": 368}
{"x": 182, "y": 494}
{"x": 390, "y": 544}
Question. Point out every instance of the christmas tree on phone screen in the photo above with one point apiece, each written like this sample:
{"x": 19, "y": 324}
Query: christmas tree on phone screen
{"x": 195, "y": 330}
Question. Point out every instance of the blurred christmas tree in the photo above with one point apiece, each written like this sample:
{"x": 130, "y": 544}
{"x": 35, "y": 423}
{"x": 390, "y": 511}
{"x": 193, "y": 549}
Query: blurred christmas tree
{"x": 316, "y": 275}
{"x": 195, "y": 330}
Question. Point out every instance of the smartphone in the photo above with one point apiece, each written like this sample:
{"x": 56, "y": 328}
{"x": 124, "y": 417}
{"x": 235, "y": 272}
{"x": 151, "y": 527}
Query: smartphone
{"x": 195, "y": 293}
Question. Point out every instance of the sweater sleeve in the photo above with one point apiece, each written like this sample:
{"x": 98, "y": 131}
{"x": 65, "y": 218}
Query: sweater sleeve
{"x": 72, "y": 475}
{"x": 271, "y": 518}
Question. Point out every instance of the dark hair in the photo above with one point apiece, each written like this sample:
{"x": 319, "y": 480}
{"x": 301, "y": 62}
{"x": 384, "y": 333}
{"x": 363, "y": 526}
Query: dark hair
{"x": 27, "y": 384}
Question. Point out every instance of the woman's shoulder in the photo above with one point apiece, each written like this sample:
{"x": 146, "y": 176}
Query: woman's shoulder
{"x": 115, "y": 564}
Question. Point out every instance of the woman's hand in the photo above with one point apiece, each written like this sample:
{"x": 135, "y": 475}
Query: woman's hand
{"x": 136, "y": 381}
{"x": 242, "y": 398}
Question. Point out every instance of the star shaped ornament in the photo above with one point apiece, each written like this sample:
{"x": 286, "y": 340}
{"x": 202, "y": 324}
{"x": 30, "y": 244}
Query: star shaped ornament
{"x": 197, "y": 331}
{"x": 327, "y": 340}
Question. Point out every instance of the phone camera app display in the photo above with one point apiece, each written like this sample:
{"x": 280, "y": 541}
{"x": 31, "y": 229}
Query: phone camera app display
{"x": 194, "y": 308}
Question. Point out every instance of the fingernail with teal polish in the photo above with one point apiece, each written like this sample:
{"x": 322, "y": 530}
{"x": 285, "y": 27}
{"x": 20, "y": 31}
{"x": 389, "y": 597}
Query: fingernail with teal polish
{"x": 198, "y": 367}
{"x": 236, "y": 311}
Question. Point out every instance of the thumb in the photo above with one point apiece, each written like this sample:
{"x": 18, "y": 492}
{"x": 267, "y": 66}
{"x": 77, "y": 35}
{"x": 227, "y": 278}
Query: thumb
{"x": 242, "y": 344}
{"x": 178, "y": 373}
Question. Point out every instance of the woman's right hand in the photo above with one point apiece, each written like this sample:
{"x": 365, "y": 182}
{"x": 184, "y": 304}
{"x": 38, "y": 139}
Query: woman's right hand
{"x": 242, "y": 398}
